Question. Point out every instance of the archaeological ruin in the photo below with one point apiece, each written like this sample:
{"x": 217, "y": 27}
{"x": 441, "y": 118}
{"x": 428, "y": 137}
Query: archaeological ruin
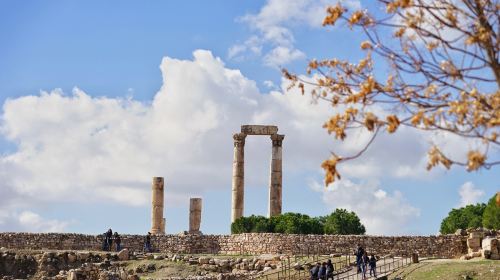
{"x": 157, "y": 220}
{"x": 195, "y": 205}
{"x": 275, "y": 180}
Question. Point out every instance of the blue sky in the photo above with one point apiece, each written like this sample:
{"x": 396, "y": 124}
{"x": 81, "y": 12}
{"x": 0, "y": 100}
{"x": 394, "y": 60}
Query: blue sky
{"x": 99, "y": 97}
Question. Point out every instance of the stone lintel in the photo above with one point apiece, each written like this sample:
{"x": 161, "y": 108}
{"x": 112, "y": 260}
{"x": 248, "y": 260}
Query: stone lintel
{"x": 259, "y": 129}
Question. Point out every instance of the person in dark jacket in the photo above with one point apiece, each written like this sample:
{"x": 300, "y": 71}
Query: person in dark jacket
{"x": 118, "y": 241}
{"x": 329, "y": 269}
{"x": 373, "y": 266}
{"x": 364, "y": 264}
{"x": 147, "y": 243}
{"x": 109, "y": 239}
{"x": 314, "y": 272}
{"x": 104, "y": 242}
{"x": 359, "y": 255}
{"x": 322, "y": 272}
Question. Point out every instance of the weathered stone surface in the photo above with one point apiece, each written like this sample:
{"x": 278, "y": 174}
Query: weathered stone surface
{"x": 123, "y": 255}
{"x": 157, "y": 220}
{"x": 449, "y": 246}
{"x": 259, "y": 129}
{"x": 195, "y": 206}
{"x": 238, "y": 182}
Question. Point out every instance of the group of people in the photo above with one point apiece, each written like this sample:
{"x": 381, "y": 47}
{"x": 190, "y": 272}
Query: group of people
{"x": 325, "y": 270}
{"x": 109, "y": 238}
{"x": 363, "y": 262}
{"x": 322, "y": 271}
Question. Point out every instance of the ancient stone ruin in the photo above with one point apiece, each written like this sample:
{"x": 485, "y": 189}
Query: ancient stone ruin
{"x": 157, "y": 220}
{"x": 275, "y": 181}
{"x": 194, "y": 215}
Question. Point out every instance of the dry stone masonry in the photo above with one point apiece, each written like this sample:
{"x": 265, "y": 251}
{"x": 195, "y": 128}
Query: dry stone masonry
{"x": 275, "y": 181}
{"x": 446, "y": 246}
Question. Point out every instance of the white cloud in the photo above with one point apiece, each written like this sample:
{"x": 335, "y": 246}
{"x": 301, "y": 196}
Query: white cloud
{"x": 381, "y": 213}
{"x": 79, "y": 148}
{"x": 273, "y": 26}
{"x": 280, "y": 56}
{"x": 33, "y": 222}
{"x": 469, "y": 194}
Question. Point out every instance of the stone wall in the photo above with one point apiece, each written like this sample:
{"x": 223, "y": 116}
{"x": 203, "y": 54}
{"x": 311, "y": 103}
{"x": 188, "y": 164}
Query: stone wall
{"x": 448, "y": 246}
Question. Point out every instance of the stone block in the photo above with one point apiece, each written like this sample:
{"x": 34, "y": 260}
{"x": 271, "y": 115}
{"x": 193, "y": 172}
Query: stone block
{"x": 259, "y": 129}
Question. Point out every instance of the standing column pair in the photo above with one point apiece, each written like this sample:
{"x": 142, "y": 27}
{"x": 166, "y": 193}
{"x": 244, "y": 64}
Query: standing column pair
{"x": 275, "y": 181}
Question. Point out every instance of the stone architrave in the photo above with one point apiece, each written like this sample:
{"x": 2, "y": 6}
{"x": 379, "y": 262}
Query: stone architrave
{"x": 157, "y": 220}
{"x": 238, "y": 176}
{"x": 259, "y": 129}
{"x": 195, "y": 205}
{"x": 275, "y": 180}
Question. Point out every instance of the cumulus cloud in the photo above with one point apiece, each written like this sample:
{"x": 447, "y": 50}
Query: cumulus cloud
{"x": 80, "y": 148}
{"x": 29, "y": 221}
{"x": 381, "y": 212}
{"x": 469, "y": 194}
{"x": 273, "y": 26}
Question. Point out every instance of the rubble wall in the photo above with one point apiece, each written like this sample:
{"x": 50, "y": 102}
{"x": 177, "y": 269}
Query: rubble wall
{"x": 446, "y": 246}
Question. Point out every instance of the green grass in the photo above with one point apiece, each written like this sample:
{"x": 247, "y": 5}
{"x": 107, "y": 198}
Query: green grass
{"x": 451, "y": 270}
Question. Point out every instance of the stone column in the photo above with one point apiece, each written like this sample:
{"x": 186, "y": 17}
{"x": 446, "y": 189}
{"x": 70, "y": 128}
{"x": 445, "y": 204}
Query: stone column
{"x": 238, "y": 176}
{"x": 275, "y": 181}
{"x": 157, "y": 220}
{"x": 194, "y": 215}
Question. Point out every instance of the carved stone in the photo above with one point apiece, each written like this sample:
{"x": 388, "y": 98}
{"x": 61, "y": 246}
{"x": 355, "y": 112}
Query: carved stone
{"x": 275, "y": 180}
{"x": 157, "y": 220}
{"x": 259, "y": 129}
{"x": 195, "y": 205}
{"x": 238, "y": 177}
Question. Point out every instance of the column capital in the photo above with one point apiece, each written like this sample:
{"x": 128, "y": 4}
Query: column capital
{"x": 239, "y": 139}
{"x": 277, "y": 139}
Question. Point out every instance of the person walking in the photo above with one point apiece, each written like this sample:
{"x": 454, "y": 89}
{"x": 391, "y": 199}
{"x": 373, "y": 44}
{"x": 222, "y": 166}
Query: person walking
{"x": 104, "y": 242}
{"x": 314, "y": 272}
{"x": 373, "y": 266}
{"x": 322, "y": 272}
{"x": 147, "y": 243}
{"x": 364, "y": 264}
{"x": 329, "y": 270}
{"x": 109, "y": 239}
{"x": 118, "y": 241}
{"x": 359, "y": 255}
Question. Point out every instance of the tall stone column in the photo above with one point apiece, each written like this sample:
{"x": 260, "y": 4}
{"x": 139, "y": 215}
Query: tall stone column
{"x": 275, "y": 181}
{"x": 157, "y": 220}
{"x": 238, "y": 177}
{"x": 194, "y": 215}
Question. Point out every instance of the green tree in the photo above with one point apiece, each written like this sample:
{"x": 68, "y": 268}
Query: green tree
{"x": 343, "y": 222}
{"x": 491, "y": 215}
{"x": 462, "y": 218}
{"x": 296, "y": 223}
{"x": 251, "y": 224}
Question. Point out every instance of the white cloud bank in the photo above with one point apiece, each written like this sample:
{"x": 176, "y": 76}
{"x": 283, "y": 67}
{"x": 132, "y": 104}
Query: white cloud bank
{"x": 469, "y": 194}
{"x": 79, "y": 148}
{"x": 382, "y": 213}
{"x": 273, "y": 25}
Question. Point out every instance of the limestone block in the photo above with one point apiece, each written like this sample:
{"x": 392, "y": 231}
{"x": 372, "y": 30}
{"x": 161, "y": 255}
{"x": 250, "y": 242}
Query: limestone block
{"x": 476, "y": 234}
{"x": 259, "y": 129}
{"x": 123, "y": 255}
{"x": 474, "y": 243}
{"x": 490, "y": 244}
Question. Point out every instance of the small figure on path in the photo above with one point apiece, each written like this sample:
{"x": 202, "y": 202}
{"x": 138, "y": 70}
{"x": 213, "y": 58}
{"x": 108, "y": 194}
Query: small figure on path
{"x": 109, "y": 239}
{"x": 118, "y": 241}
{"x": 359, "y": 255}
{"x": 364, "y": 264}
{"x": 322, "y": 272}
{"x": 373, "y": 266}
{"x": 329, "y": 269}
{"x": 314, "y": 272}
{"x": 147, "y": 243}
{"x": 104, "y": 242}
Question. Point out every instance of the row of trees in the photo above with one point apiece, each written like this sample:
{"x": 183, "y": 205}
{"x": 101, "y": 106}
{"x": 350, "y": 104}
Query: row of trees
{"x": 472, "y": 216}
{"x": 340, "y": 221}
